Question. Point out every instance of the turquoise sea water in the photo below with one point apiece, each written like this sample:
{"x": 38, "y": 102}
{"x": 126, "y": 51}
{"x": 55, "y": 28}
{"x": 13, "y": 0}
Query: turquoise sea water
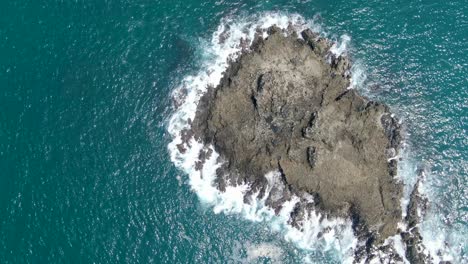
{"x": 85, "y": 97}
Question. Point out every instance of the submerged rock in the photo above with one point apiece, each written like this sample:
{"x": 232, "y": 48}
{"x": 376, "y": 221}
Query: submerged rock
{"x": 284, "y": 106}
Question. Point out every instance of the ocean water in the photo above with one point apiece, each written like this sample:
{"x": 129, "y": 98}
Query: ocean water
{"x": 88, "y": 173}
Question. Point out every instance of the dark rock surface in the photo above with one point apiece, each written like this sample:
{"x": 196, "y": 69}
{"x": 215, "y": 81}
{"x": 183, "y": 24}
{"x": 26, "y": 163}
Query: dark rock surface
{"x": 284, "y": 106}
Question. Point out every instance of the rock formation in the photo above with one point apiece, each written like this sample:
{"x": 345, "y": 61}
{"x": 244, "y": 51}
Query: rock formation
{"x": 284, "y": 105}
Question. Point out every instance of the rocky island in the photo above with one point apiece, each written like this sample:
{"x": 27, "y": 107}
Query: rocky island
{"x": 285, "y": 105}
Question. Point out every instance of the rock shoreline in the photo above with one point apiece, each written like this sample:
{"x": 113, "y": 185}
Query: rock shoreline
{"x": 284, "y": 105}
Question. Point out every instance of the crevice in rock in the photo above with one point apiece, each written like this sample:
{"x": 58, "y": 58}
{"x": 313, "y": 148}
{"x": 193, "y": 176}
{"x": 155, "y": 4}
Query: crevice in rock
{"x": 311, "y": 156}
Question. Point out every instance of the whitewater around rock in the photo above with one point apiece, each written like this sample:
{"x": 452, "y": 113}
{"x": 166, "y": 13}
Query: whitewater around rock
{"x": 272, "y": 131}
{"x": 283, "y": 107}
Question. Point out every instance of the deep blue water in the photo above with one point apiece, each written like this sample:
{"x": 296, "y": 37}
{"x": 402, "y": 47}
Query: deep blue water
{"x": 85, "y": 89}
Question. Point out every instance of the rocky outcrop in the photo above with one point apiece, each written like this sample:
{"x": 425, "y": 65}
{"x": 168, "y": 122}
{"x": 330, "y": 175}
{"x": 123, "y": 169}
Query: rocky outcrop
{"x": 284, "y": 106}
{"x": 412, "y": 237}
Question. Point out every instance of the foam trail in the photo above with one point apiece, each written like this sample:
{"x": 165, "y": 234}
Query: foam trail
{"x": 317, "y": 232}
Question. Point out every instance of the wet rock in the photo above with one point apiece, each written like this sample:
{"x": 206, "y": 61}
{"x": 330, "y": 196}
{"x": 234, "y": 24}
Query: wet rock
{"x": 203, "y": 155}
{"x": 181, "y": 148}
{"x": 178, "y": 98}
{"x": 224, "y": 35}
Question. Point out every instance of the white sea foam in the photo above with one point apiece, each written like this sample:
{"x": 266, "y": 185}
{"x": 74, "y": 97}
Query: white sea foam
{"x": 340, "y": 48}
{"x": 439, "y": 241}
{"x": 358, "y": 75}
{"x": 264, "y": 250}
{"x": 317, "y": 232}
